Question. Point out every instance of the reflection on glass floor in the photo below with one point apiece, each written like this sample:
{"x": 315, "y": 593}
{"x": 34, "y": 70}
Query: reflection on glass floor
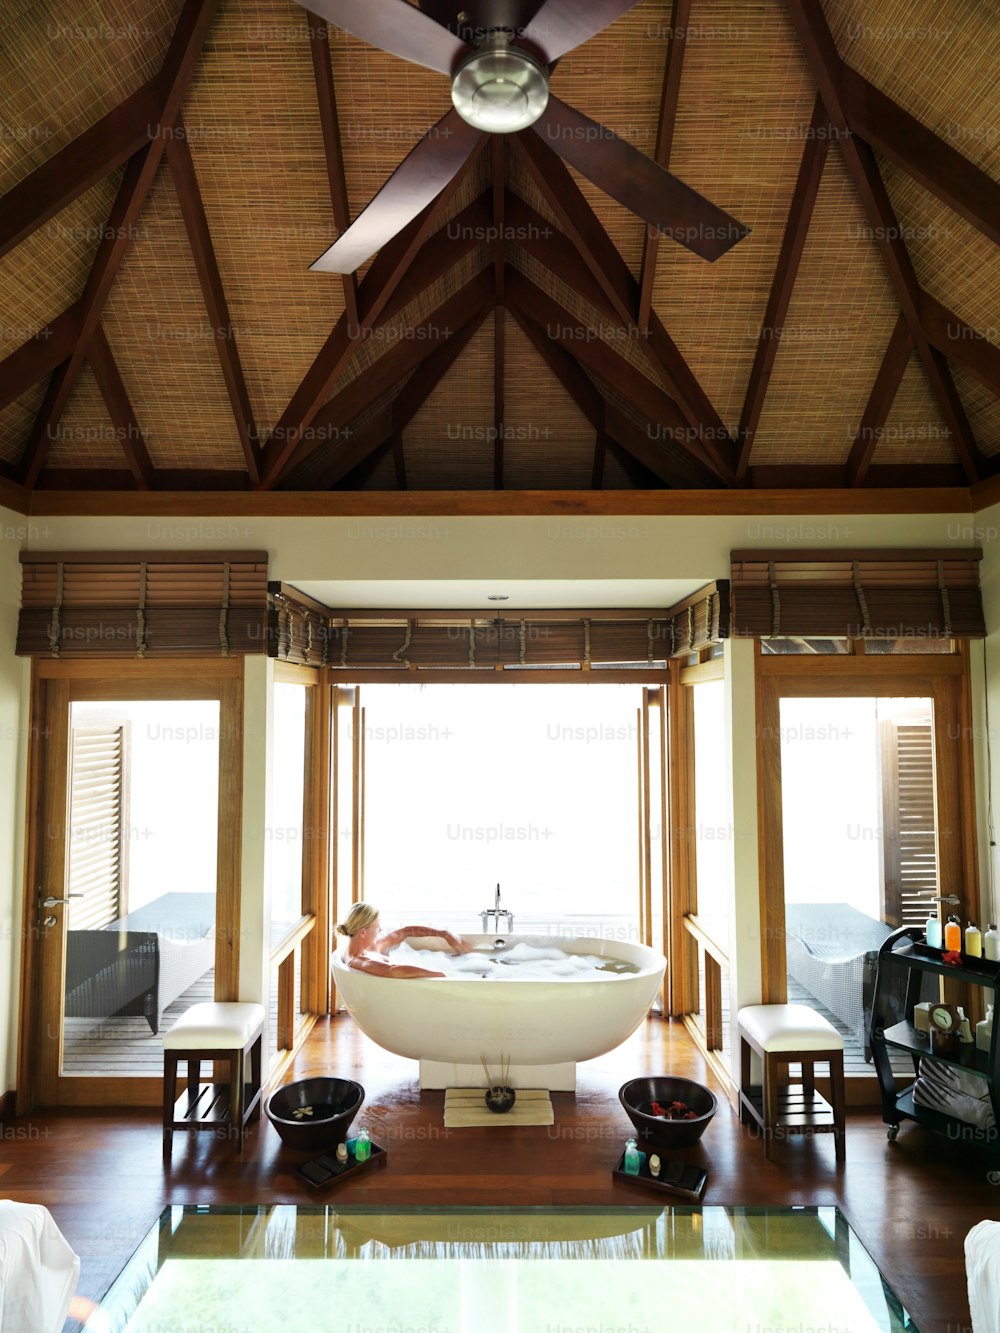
{"x": 490, "y": 1270}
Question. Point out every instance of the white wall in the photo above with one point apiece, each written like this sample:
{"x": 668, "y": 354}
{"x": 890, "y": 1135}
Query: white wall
{"x": 373, "y": 561}
{"x": 14, "y": 533}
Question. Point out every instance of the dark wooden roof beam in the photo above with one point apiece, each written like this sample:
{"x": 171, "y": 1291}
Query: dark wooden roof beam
{"x": 39, "y": 355}
{"x": 72, "y": 170}
{"x": 880, "y": 401}
{"x": 178, "y": 67}
{"x": 379, "y": 378}
{"x": 326, "y": 97}
{"x": 127, "y": 430}
{"x": 929, "y": 159}
{"x": 680, "y": 17}
{"x": 224, "y": 335}
{"x": 601, "y": 359}
{"x": 400, "y": 271}
{"x": 786, "y": 270}
{"x": 821, "y": 54}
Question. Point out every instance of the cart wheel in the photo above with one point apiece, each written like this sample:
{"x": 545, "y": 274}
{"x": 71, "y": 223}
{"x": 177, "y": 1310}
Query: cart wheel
{"x": 993, "y": 1177}
{"x": 893, "y": 1130}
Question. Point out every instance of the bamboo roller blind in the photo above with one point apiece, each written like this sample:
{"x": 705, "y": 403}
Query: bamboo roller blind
{"x": 137, "y": 604}
{"x": 858, "y": 594}
{"x": 301, "y": 630}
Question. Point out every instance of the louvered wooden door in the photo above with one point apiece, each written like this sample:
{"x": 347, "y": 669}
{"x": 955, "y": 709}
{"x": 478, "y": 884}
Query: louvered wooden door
{"x": 910, "y": 878}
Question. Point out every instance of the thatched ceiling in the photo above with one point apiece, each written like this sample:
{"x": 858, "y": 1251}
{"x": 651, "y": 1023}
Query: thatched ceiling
{"x": 171, "y": 168}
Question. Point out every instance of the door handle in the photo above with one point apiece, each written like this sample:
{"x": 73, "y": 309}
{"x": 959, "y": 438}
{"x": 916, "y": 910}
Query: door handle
{"x": 951, "y": 898}
{"x": 56, "y": 902}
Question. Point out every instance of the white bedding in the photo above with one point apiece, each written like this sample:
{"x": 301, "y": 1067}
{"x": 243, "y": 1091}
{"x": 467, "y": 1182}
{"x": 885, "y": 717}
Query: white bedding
{"x": 38, "y": 1270}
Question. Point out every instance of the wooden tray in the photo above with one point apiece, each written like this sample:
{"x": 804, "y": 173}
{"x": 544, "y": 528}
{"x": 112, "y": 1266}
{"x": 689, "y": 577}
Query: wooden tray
{"x": 677, "y": 1178}
{"x": 324, "y": 1171}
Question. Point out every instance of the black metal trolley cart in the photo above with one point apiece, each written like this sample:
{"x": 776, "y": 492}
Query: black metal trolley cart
{"x": 906, "y": 974}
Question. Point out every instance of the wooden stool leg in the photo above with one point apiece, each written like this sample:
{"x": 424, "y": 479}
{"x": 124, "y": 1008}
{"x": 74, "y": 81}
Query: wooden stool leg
{"x": 808, "y": 1079}
{"x": 193, "y": 1078}
{"x": 838, "y": 1100}
{"x": 771, "y": 1074}
{"x": 745, "y": 1117}
{"x": 236, "y": 1096}
{"x": 255, "y": 1097}
{"x": 169, "y": 1097}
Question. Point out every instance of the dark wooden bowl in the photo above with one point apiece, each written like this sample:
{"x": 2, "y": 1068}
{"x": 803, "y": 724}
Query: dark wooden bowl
{"x": 654, "y": 1134}
{"x": 334, "y": 1102}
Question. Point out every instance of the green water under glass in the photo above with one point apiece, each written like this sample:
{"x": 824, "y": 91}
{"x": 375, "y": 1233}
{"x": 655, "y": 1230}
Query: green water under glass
{"x": 215, "y": 1269}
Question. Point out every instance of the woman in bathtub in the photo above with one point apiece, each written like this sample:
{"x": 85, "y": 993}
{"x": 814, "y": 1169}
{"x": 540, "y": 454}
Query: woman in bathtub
{"x": 366, "y": 949}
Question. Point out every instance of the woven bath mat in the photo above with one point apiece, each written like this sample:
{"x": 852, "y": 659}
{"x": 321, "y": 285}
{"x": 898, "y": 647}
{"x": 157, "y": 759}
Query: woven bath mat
{"x": 464, "y": 1107}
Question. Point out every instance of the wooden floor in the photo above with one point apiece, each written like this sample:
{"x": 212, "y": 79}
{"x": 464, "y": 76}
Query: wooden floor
{"x": 911, "y": 1203}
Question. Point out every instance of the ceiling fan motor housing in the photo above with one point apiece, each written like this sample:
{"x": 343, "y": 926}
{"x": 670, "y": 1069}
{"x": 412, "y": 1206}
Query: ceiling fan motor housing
{"x": 499, "y": 87}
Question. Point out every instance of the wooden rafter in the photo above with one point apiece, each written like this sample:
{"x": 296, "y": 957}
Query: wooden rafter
{"x": 786, "y": 270}
{"x": 603, "y": 360}
{"x": 680, "y": 16}
{"x": 178, "y": 68}
{"x": 127, "y": 430}
{"x": 382, "y": 375}
{"x": 223, "y": 333}
{"x": 20, "y": 369}
{"x": 621, "y": 295}
{"x": 72, "y": 170}
{"x": 928, "y": 158}
{"x": 326, "y": 97}
{"x": 833, "y": 476}
{"x": 387, "y": 430}
{"x": 969, "y": 348}
{"x": 395, "y": 262}
{"x": 824, "y": 61}
{"x": 880, "y": 401}
{"x": 608, "y": 420}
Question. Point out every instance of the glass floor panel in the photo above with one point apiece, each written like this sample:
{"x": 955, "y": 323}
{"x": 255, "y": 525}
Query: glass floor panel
{"x": 519, "y": 1270}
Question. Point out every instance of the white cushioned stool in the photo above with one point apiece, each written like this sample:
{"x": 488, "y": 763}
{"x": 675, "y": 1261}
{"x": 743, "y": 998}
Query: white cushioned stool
{"x": 214, "y": 1031}
{"x": 783, "y": 1035}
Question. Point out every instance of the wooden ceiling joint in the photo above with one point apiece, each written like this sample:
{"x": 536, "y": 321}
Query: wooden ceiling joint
{"x": 821, "y": 54}
{"x": 127, "y": 430}
{"x": 783, "y": 282}
{"x": 880, "y": 401}
{"x": 178, "y": 67}
{"x": 680, "y": 18}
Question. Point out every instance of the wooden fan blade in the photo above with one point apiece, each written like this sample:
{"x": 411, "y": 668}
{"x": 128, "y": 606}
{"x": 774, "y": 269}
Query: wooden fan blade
{"x": 559, "y": 25}
{"x": 396, "y": 27}
{"x": 419, "y": 178}
{"x": 635, "y": 180}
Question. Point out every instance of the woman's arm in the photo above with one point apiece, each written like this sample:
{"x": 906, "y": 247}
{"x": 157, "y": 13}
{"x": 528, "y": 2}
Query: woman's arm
{"x": 393, "y": 937}
{"x": 403, "y": 970}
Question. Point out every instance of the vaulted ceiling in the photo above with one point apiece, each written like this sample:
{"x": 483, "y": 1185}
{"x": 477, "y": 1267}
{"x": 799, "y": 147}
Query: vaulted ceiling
{"x": 170, "y": 169}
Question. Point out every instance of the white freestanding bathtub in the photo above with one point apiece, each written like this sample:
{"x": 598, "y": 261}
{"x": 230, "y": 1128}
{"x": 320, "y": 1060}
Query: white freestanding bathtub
{"x": 542, "y": 1027}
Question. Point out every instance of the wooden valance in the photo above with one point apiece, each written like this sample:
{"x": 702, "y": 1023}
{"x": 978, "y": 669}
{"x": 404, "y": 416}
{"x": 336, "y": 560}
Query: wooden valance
{"x": 302, "y": 630}
{"x": 892, "y": 594}
{"x": 143, "y": 604}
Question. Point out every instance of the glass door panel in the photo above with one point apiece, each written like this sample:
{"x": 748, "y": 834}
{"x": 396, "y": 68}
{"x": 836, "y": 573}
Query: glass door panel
{"x": 860, "y": 844}
{"x": 140, "y": 874}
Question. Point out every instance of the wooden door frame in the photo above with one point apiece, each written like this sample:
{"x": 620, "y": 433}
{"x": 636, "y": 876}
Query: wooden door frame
{"x": 945, "y": 679}
{"x": 55, "y": 684}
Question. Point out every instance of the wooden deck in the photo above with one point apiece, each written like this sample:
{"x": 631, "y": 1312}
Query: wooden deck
{"x": 126, "y": 1047}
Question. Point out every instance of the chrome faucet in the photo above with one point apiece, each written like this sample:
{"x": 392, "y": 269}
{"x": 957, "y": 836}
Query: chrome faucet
{"x": 496, "y": 912}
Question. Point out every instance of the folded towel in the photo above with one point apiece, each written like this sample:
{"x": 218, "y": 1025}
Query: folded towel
{"x": 960, "y": 1093}
{"x": 982, "y": 1267}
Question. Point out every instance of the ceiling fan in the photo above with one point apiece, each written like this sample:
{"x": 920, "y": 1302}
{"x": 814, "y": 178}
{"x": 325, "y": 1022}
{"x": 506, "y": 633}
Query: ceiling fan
{"x": 498, "y": 55}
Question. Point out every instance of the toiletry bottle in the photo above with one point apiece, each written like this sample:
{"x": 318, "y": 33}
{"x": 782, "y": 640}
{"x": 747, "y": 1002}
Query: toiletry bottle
{"x": 631, "y": 1157}
{"x": 984, "y": 1030}
{"x": 933, "y": 934}
{"x": 973, "y": 941}
{"x": 953, "y": 935}
{"x": 992, "y": 944}
{"x": 363, "y": 1147}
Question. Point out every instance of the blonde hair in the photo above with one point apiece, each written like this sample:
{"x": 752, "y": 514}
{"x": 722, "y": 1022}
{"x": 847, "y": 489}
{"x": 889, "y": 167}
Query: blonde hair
{"x": 360, "y": 916}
